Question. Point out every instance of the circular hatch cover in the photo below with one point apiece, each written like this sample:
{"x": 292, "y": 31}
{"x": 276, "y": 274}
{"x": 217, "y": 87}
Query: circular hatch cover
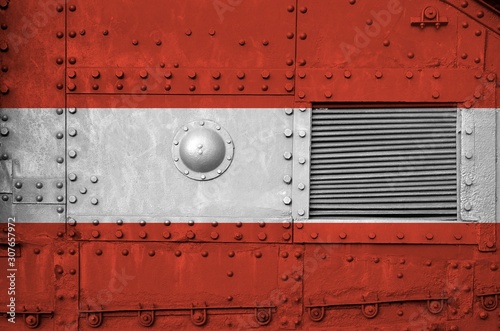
{"x": 202, "y": 150}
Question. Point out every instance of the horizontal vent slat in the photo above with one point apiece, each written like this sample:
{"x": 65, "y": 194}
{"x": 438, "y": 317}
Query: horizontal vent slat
{"x": 376, "y": 162}
{"x": 380, "y": 132}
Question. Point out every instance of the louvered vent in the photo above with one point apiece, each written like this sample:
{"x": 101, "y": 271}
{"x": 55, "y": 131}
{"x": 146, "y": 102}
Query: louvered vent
{"x": 384, "y": 163}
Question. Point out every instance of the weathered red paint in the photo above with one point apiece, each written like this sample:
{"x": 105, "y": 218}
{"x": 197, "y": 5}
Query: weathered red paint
{"x": 239, "y": 54}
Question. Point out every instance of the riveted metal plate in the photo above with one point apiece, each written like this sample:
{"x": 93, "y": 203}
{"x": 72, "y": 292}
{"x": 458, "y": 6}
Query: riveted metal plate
{"x": 478, "y": 165}
{"x": 35, "y": 141}
{"x": 202, "y": 150}
{"x": 111, "y": 145}
{"x": 385, "y": 287}
{"x": 224, "y": 279}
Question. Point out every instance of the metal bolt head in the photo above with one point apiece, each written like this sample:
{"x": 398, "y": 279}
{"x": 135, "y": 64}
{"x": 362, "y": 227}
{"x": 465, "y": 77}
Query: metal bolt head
{"x": 302, "y": 160}
{"x": 94, "y": 201}
{"x": 287, "y": 179}
{"x": 287, "y": 200}
{"x": 287, "y": 155}
{"x": 4, "y": 131}
{"x": 93, "y": 179}
{"x": 301, "y": 186}
{"x": 288, "y": 133}
{"x": 301, "y": 212}
{"x": 302, "y": 133}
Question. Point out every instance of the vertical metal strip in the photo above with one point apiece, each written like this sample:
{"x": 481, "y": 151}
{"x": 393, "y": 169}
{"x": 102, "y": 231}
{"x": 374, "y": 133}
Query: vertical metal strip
{"x": 301, "y": 163}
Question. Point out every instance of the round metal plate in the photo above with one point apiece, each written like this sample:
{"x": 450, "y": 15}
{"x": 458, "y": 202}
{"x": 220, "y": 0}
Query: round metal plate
{"x": 202, "y": 150}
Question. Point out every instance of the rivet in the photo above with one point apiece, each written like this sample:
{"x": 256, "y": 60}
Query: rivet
{"x": 284, "y": 277}
{"x": 328, "y": 75}
{"x": 303, "y": 36}
{"x": 428, "y": 263}
{"x": 409, "y": 74}
{"x": 289, "y": 111}
{"x": 400, "y": 313}
{"x": 328, "y": 94}
{"x": 347, "y": 74}
{"x": 289, "y": 87}
{"x": 151, "y": 253}
{"x": 429, "y": 236}
{"x": 143, "y": 234}
{"x": 98, "y": 252}
{"x": 19, "y": 198}
{"x": 410, "y": 55}
{"x": 72, "y": 34}
{"x": 477, "y": 60}
{"x": 125, "y": 252}
{"x": 168, "y": 87}
{"x": 59, "y": 34}
{"x": 491, "y": 77}
{"x": 477, "y": 33}
{"x": 369, "y": 22}
{"x": 287, "y": 179}
{"x": 286, "y": 224}
{"x": 119, "y": 234}
{"x": 303, "y": 10}
{"x": 302, "y": 160}
{"x": 297, "y": 278}
{"x": 314, "y": 235}
{"x": 301, "y": 212}
{"x": 95, "y": 234}
{"x": 493, "y": 267}
{"x": 166, "y": 234}
{"x": 72, "y": 199}
{"x": 436, "y": 74}
{"x": 72, "y": 177}
{"x": 457, "y": 236}
{"x": 400, "y": 275}
{"x": 435, "y": 95}
{"x": 288, "y": 133}
{"x": 302, "y": 133}
{"x": 400, "y": 235}
{"x": 239, "y": 224}
{"x": 144, "y": 87}
{"x": 386, "y": 43}
{"x": 302, "y": 95}
{"x": 483, "y": 315}
{"x": 477, "y": 94}
{"x": 301, "y": 186}
{"x": 467, "y": 266}
{"x": 463, "y": 56}
{"x": 342, "y": 235}
{"x": 299, "y": 225}
{"x": 72, "y": 8}
{"x": 192, "y": 88}
{"x": 72, "y": 271}
{"x": 72, "y": 154}
{"x": 290, "y": 35}
{"x": 36, "y": 251}
{"x": 372, "y": 235}
{"x": 142, "y": 223}
{"x": 378, "y": 74}
{"x": 94, "y": 201}
{"x": 59, "y": 8}
{"x": 230, "y": 274}
{"x": 119, "y": 86}
{"x": 72, "y": 60}
{"x": 349, "y": 258}
{"x": 480, "y": 14}
{"x": 241, "y": 42}
{"x": 59, "y": 185}
{"x": 82, "y": 32}
{"x": 287, "y": 200}
{"x": 468, "y": 155}
{"x": 264, "y": 87}
{"x": 262, "y": 236}
{"x": 190, "y": 235}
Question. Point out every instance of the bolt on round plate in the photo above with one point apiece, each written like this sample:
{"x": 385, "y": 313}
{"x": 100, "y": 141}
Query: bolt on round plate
{"x": 202, "y": 150}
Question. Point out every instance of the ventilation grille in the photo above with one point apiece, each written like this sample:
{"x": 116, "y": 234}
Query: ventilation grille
{"x": 386, "y": 163}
